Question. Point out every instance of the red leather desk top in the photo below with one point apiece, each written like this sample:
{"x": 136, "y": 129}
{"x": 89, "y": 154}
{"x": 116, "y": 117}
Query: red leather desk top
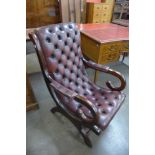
{"x": 100, "y": 32}
{"x": 104, "y": 33}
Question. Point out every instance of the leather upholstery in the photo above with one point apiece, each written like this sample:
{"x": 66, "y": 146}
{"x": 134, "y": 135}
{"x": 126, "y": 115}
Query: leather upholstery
{"x": 60, "y": 45}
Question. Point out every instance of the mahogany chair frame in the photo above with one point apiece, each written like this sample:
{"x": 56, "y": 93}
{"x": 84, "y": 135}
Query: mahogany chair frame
{"x": 82, "y": 123}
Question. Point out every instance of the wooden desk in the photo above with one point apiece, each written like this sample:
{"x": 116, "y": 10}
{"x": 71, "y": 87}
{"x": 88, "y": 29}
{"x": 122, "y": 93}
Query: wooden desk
{"x": 104, "y": 43}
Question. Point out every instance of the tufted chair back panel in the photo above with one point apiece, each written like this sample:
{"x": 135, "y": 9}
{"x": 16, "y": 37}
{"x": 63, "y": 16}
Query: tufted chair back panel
{"x": 61, "y": 49}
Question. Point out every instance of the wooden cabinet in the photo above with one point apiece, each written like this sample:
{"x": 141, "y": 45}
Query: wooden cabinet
{"x": 99, "y": 12}
{"x": 31, "y": 103}
{"x": 41, "y": 12}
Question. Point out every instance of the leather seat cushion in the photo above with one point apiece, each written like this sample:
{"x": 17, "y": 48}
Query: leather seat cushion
{"x": 107, "y": 102}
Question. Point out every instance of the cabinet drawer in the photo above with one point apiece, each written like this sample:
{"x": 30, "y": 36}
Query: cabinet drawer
{"x": 125, "y": 46}
{"x": 97, "y": 20}
{"x": 105, "y": 21}
{"x": 108, "y": 58}
{"x": 114, "y": 47}
{"x": 97, "y": 15}
{"x": 105, "y": 15}
{"x": 105, "y": 8}
{"x": 97, "y": 7}
{"x": 106, "y": 18}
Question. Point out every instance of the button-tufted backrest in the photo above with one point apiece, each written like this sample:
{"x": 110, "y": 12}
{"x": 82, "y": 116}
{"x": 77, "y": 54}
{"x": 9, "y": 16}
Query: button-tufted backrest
{"x": 60, "y": 45}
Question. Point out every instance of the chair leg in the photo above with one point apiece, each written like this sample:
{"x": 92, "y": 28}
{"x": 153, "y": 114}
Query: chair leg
{"x": 86, "y": 138}
{"x": 83, "y": 132}
{"x": 81, "y": 129}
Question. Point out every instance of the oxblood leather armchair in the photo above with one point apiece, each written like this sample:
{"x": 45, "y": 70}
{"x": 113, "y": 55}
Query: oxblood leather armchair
{"x": 86, "y": 105}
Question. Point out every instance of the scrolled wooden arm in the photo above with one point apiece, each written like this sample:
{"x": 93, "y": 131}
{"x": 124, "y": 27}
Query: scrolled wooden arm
{"x": 107, "y": 69}
{"x": 90, "y": 106}
{"x": 81, "y": 99}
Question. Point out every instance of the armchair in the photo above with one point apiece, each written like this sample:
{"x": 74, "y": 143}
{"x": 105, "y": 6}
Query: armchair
{"x": 88, "y": 106}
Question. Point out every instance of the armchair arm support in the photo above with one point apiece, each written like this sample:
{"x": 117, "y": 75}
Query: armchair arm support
{"x": 90, "y": 106}
{"x": 107, "y": 69}
{"x": 63, "y": 90}
{"x": 81, "y": 99}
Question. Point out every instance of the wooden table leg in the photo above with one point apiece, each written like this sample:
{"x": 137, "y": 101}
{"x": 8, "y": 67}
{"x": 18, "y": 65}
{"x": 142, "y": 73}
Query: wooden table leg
{"x": 124, "y": 55}
{"x": 96, "y": 76}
